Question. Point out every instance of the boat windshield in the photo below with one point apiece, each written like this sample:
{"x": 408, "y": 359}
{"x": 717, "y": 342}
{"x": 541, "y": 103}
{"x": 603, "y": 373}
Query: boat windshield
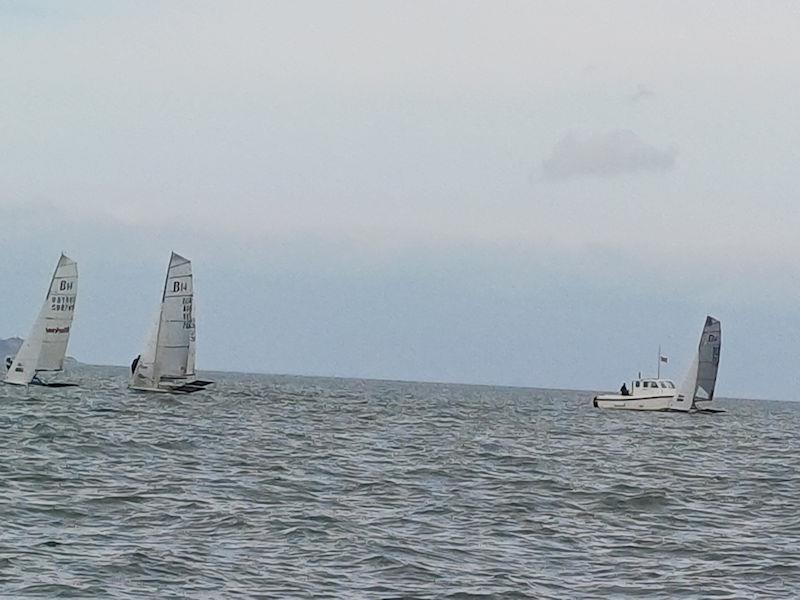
{"x": 655, "y": 383}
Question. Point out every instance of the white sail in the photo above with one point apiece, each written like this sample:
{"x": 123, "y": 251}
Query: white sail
{"x": 177, "y": 320}
{"x": 144, "y": 374}
{"x": 169, "y": 353}
{"x": 701, "y": 379}
{"x": 45, "y": 347}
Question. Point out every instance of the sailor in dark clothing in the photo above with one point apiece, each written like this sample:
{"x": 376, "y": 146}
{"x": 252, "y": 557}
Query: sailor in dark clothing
{"x": 624, "y": 390}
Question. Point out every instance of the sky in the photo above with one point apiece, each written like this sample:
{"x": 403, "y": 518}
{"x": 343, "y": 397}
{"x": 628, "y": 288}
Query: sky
{"x": 522, "y": 193}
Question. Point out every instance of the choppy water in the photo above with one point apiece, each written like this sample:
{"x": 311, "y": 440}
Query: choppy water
{"x": 279, "y": 487}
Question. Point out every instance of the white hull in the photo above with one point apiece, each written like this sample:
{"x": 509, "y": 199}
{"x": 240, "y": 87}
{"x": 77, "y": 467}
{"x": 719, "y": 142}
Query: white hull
{"x": 17, "y": 383}
{"x": 57, "y": 384}
{"x": 619, "y": 402}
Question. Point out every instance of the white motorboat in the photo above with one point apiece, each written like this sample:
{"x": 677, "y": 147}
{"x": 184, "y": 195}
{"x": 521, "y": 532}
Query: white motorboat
{"x": 694, "y": 394}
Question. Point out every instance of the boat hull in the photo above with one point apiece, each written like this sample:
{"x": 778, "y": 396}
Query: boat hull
{"x": 138, "y": 388}
{"x": 705, "y": 406}
{"x": 182, "y": 388}
{"x": 619, "y": 402}
{"x": 16, "y": 383}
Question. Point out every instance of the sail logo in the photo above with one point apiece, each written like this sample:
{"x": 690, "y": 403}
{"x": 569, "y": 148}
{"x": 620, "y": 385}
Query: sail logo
{"x": 65, "y": 285}
{"x": 179, "y": 286}
{"x": 57, "y": 329}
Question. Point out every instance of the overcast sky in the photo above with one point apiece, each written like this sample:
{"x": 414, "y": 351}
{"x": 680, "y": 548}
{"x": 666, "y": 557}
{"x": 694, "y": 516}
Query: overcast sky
{"x": 525, "y": 193}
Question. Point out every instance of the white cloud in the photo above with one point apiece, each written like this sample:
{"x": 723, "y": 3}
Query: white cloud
{"x": 642, "y": 92}
{"x": 608, "y": 154}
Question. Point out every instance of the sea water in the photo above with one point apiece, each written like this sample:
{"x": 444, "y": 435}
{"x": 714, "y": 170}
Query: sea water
{"x": 280, "y": 487}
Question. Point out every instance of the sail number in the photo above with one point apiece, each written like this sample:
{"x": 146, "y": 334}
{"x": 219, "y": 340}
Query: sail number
{"x": 62, "y": 303}
{"x": 61, "y": 300}
{"x": 188, "y": 318}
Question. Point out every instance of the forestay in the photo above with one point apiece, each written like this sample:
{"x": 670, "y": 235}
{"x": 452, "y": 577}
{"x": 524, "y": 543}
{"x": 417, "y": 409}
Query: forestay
{"x": 46, "y": 346}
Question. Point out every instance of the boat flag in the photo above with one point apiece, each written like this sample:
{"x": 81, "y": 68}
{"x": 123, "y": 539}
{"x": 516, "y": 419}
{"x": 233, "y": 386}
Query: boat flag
{"x": 663, "y": 358}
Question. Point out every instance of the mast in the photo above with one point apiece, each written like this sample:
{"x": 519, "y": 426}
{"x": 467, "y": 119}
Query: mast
{"x": 658, "y": 362}
{"x": 156, "y": 374}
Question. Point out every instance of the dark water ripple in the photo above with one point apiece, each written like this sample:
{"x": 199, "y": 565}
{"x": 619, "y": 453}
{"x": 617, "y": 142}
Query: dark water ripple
{"x": 273, "y": 487}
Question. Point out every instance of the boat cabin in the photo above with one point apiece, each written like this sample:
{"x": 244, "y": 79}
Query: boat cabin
{"x": 652, "y": 387}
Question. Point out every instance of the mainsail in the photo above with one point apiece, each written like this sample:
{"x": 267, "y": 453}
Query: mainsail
{"x": 708, "y": 359}
{"x": 45, "y": 347}
{"x": 169, "y": 352}
{"x": 701, "y": 379}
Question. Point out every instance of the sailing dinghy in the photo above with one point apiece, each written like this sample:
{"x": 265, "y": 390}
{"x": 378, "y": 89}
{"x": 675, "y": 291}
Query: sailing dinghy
{"x": 167, "y": 363}
{"x": 693, "y": 395}
{"x": 698, "y": 386}
{"x": 43, "y": 351}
